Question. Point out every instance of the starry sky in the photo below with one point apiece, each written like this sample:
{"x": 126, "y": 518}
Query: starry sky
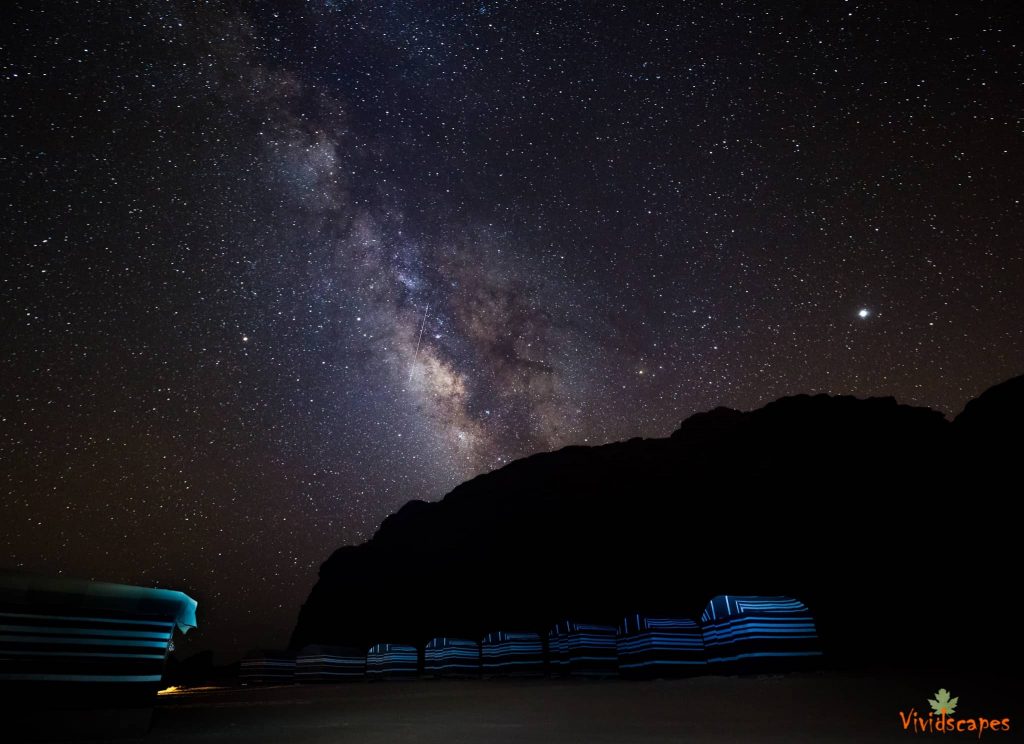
{"x": 271, "y": 270}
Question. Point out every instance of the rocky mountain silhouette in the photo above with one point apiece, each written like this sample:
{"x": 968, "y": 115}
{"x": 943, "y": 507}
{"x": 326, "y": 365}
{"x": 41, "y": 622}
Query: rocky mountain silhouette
{"x": 889, "y": 521}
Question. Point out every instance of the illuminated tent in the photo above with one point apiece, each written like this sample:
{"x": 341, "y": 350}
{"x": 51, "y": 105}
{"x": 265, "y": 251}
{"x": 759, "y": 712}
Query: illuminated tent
{"x": 91, "y": 650}
{"x": 512, "y": 654}
{"x": 267, "y": 666}
{"x": 583, "y": 650}
{"x": 558, "y": 649}
{"x": 452, "y": 657}
{"x": 329, "y": 664}
{"x": 391, "y": 661}
{"x": 659, "y": 647}
{"x": 759, "y": 632}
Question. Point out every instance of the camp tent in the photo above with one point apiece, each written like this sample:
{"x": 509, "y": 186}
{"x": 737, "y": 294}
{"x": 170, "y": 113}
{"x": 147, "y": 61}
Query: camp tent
{"x": 391, "y": 661}
{"x": 317, "y": 663}
{"x": 452, "y": 657}
{"x": 78, "y": 645}
{"x": 514, "y": 654}
{"x": 759, "y": 632}
{"x": 659, "y": 647}
{"x": 267, "y": 666}
{"x": 584, "y": 649}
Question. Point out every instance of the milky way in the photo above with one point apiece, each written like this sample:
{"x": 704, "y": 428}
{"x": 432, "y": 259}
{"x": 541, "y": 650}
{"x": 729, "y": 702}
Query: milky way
{"x": 270, "y": 272}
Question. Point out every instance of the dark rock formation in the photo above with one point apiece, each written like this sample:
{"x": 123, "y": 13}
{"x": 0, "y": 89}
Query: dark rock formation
{"x": 883, "y": 518}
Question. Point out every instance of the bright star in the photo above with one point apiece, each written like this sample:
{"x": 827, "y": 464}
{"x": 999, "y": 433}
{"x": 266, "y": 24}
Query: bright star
{"x": 864, "y": 312}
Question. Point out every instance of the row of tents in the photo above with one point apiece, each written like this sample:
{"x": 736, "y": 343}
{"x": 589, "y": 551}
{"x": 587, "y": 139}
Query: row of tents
{"x": 733, "y": 633}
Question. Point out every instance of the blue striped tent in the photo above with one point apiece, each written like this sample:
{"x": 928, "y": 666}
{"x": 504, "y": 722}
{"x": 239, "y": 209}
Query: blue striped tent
{"x": 759, "y": 632}
{"x": 267, "y": 666}
{"x": 659, "y": 647}
{"x": 591, "y": 650}
{"x": 68, "y": 644}
{"x": 329, "y": 664}
{"x": 558, "y": 649}
{"x": 391, "y": 661}
{"x": 512, "y": 654}
{"x": 452, "y": 657}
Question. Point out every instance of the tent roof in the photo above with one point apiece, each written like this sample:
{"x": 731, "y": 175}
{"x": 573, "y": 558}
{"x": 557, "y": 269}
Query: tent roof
{"x": 32, "y": 590}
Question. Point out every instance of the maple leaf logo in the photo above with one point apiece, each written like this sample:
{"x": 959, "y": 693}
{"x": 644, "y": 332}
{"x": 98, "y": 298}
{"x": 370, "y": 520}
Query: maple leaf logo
{"x": 943, "y": 703}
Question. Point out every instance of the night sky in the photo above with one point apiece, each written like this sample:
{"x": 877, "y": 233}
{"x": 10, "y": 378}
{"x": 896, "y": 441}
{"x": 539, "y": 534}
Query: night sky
{"x": 270, "y": 272}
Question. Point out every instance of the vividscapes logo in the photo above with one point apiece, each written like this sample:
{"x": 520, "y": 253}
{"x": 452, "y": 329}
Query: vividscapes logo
{"x": 942, "y": 721}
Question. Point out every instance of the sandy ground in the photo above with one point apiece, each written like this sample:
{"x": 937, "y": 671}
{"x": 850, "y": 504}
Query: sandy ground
{"x": 818, "y": 707}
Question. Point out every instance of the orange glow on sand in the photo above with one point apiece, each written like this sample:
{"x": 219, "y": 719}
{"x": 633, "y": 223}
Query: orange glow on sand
{"x": 177, "y": 690}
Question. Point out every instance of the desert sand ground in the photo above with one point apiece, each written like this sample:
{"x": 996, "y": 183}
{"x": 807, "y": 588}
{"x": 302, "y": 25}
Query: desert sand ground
{"x": 817, "y": 707}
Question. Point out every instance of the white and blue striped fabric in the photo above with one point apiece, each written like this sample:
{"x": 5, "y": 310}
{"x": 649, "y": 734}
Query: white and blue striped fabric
{"x": 318, "y": 663}
{"x": 512, "y": 654}
{"x": 758, "y": 631}
{"x": 267, "y": 667}
{"x": 649, "y": 646}
{"x": 583, "y": 650}
{"x": 452, "y": 657}
{"x": 69, "y": 632}
{"x": 392, "y": 661}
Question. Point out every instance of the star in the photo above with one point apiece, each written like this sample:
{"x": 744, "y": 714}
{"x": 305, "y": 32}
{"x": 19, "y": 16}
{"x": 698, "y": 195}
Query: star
{"x": 863, "y": 313}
